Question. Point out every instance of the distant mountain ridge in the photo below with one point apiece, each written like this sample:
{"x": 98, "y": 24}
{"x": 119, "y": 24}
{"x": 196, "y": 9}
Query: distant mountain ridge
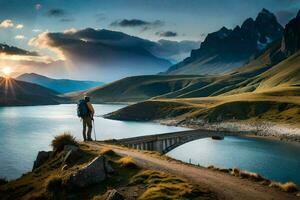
{"x": 58, "y": 85}
{"x": 19, "y": 93}
{"x": 228, "y": 49}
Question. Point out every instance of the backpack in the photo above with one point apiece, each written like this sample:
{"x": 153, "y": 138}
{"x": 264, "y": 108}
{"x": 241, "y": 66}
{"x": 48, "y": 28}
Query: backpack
{"x": 82, "y": 109}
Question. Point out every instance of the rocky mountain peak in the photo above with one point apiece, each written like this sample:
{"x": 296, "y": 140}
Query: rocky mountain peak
{"x": 265, "y": 15}
{"x": 291, "y": 38}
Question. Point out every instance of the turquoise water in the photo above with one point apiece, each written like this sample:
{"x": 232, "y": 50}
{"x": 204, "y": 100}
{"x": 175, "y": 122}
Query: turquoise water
{"x": 273, "y": 159}
{"x": 26, "y": 130}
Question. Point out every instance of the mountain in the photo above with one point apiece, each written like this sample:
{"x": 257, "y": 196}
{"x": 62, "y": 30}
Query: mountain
{"x": 17, "y": 93}
{"x": 58, "y": 85}
{"x": 266, "y": 89}
{"x": 228, "y": 49}
{"x": 273, "y": 71}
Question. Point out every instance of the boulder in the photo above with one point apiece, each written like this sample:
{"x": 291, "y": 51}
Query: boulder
{"x": 113, "y": 195}
{"x": 41, "y": 158}
{"x": 71, "y": 155}
{"x": 95, "y": 172}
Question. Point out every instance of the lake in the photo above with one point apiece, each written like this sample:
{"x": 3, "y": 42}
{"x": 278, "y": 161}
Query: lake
{"x": 26, "y": 130}
{"x": 276, "y": 160}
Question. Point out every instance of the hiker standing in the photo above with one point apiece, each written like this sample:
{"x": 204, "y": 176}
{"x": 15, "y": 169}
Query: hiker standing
{"x": 86, "y": 112}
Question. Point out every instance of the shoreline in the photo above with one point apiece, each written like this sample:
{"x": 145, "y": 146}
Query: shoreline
{"x": 262, "y": 131}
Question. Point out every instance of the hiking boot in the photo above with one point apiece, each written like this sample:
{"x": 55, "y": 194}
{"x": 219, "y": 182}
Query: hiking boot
{"x": 89, "y": 139}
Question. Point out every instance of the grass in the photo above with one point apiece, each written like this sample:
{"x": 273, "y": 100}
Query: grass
{"x": 54, "y": 183}
{"x": 286, "y": 187}
{"x": 61, "y": 140}
{"x": 108, "y": 152}
{"x": 164, "y": 186}
{"x": 127, "y": 162}
{"x": 247, "y": 175}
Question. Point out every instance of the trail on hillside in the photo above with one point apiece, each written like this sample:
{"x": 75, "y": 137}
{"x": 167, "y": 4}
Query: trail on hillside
{"x": 224, "y": 185}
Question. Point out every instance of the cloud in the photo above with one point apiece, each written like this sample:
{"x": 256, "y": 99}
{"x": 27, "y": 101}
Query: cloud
{"x": 166, "y": 34}
{"x": 56, "y": 13}
{"x": 6, "y": 23}
{"x": 90, "y": 44}
{"x": 38, "y": 6}
{"x": 11, "y": 50}
{"x": 284, "y": 16}
{"x": 19, "y": 37}
{"x": 36, "y": 30}
{"x": 137, "y": 23}
{"x": 43, "y": 40}
{"x": 19, "y": 26}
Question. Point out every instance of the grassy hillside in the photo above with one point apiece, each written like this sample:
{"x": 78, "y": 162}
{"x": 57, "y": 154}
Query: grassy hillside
{"x": 137, "y": 88}
{"x": 15, "y": 93}
{"x": 251, "y": 108}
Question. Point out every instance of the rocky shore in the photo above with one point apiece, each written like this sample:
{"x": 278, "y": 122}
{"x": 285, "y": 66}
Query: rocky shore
{"x": 263, "y": 129}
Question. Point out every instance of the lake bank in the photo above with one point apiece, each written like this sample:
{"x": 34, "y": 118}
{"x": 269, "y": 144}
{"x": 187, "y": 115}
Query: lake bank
{"x": 265, "y": 130}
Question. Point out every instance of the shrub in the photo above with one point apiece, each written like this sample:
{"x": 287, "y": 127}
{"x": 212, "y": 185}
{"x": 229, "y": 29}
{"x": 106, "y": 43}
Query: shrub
{"x": 251, "y": 175}
{"x": 235, "y": 172}
{"x": 127, "y": 162}
{"x": 63, "y": 139}
{"x": 54, "y": 183}
{"x": 287, "y": 187}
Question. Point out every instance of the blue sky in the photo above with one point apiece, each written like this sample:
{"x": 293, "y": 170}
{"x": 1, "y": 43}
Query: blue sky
{"x": 190, "y": 19}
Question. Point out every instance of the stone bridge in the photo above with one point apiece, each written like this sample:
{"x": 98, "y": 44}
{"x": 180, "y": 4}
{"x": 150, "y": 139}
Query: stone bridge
{"x": 164, "y": 143}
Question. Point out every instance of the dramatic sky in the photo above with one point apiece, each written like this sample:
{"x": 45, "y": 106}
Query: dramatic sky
{"x": 44, "y": 26}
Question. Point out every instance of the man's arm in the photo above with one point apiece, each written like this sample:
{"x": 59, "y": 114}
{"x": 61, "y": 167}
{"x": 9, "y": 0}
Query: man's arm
{"x": 91, "y": 109}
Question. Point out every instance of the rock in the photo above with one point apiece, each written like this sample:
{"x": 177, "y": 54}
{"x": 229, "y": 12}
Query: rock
{"x": 95, "y": 172}
{"x": 113, "y": 195}
{"x": 41, "y": 158}
{"x": 72, "y": 155}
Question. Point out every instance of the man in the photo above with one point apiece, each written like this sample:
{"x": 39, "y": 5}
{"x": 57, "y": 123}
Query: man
{"x": 87, "y": 120}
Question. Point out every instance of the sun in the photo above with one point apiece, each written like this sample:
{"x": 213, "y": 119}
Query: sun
{"x": 7, "y": 71}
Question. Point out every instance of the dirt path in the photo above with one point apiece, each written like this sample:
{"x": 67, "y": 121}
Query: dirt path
{"x": 224, "y": 185}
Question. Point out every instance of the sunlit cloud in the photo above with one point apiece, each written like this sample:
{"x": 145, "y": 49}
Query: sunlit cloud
{"x": 20, "y": 37}
{"x": 19, "y": 26}
{"x": 7, "y": 57}
{"x": 6, "y": 23}
{"x": 44, "y": 42}
{"x": 70, "y": 30}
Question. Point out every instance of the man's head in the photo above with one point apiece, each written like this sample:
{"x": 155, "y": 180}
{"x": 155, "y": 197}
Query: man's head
{"x": 87, "y": 98}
